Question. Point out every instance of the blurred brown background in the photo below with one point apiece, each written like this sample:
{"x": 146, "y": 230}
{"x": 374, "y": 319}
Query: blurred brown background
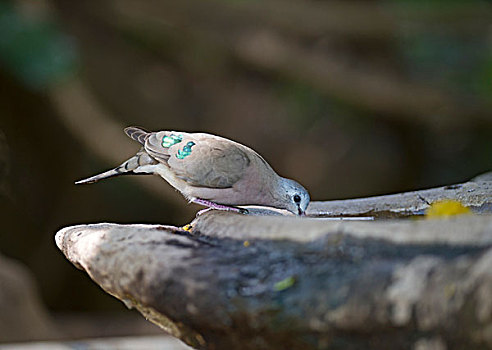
{"x": 349, "y": 98}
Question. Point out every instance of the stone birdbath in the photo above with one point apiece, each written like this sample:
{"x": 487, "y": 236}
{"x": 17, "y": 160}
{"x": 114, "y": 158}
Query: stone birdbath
{"x": 268, "y": 281}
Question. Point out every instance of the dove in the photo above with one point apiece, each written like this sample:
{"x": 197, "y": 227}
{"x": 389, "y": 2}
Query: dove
{"x": 211, "y": 171}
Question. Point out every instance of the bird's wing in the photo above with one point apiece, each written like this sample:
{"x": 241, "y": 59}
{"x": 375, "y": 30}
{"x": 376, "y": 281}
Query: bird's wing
{"x": 202, "y": 160}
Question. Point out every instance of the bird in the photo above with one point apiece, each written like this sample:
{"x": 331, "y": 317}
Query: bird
{"x": 210, "y": 170}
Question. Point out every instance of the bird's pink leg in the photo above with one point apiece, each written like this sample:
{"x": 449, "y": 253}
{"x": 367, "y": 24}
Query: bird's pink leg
{"x": 212, "y": 205}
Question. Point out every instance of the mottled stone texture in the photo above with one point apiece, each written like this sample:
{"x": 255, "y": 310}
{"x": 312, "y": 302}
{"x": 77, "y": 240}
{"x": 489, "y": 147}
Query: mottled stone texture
{"x": 273, "y": 282}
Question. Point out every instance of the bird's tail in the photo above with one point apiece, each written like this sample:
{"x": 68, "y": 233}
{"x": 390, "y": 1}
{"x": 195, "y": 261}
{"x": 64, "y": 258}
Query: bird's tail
{"x": 131, "y": 166}
{"x": 96, "y": 178}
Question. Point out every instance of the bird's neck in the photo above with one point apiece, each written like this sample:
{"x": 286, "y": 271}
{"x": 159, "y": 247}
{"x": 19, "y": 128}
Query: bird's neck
{"x": 277, "y": 192}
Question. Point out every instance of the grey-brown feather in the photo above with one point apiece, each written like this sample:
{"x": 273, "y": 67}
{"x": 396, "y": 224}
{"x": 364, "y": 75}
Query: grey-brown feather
{"x": 153, "y": 146}
{"x": 128, "y": 166}
{"x": 138, "y": 134}
{"x": 214, "y": 162}
{"x": 217, "y": 166}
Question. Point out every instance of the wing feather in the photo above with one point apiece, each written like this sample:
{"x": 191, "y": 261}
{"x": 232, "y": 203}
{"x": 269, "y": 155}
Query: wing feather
{"x": 213, "y": 162}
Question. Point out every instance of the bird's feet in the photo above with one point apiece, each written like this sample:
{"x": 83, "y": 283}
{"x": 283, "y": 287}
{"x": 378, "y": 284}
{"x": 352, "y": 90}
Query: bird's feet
{"x": 212, "y": 205}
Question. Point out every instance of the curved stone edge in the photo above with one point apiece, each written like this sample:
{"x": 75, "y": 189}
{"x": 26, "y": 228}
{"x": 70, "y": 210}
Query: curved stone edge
{"x": 427, "y": 296}
{"x": 419, "y": 231}
{"x": 81, "y": 247}
{"x": 476, "y": 194}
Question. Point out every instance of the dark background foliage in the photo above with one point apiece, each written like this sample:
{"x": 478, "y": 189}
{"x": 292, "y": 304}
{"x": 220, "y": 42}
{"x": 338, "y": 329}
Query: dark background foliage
{"x": 350, "y": 98}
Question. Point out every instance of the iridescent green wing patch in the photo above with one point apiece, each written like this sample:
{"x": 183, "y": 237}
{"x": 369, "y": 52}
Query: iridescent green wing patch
{"x": 186, "y": 151}
{"x": 168, "y": 141}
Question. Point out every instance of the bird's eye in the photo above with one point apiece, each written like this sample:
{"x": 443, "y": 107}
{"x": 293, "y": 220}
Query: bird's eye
{"x": 297, "y": 198}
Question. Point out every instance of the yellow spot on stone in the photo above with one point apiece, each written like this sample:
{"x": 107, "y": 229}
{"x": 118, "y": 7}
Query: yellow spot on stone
{"x": 449, "y": 290}
{"x": 246, "y": 243}
{"x": 446, "y": 208}
{"x": 285, "y": 283}
{"x": 187, "y": 227}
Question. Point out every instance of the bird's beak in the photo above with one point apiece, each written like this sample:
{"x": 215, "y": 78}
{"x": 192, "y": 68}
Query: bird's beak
{"x": 301, "y": 212}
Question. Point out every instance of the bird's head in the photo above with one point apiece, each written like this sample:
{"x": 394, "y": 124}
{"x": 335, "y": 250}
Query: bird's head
{"x": 294, "y": 197}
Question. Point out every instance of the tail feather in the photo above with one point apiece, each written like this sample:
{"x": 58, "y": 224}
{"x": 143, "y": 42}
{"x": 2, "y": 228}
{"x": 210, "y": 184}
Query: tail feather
{"x": 137, "y": 133}
{"x": 96, "y": 178}
{"x": 131, "y": 166}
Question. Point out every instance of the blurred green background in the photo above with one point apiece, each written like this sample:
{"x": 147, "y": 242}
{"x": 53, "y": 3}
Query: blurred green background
{"x": 350, "y": 98}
